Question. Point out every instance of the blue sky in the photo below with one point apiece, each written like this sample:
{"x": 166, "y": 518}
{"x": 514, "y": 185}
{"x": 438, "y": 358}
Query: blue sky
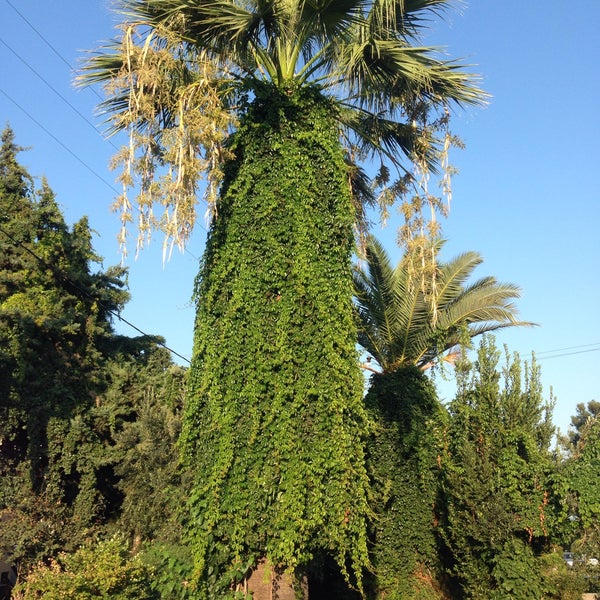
{"x": 526, "y": 196}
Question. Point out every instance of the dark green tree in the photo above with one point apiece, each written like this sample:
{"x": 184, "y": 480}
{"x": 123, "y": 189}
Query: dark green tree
{"x": 54, "y": 329}
{"x": 497, "y": 468}
{"x": 142, "y": 411}
{"x": 585, "y": 414}
{"x": 139, "y": 418}
{"x": 580, "y": 494}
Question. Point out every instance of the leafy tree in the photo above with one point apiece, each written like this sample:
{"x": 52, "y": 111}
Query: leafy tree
{"x": 88, "y": 438}
{"x": 54, "y": 331}
{"x": 584, "y": 415}
{"x": 580, "y": 478}
{"x": 274, "y": 418}
{"x": 497, "y": 469}
{"x": 139, "y": 417}
{"x": 144, "y": 450}
{"x": 401, "y": 324}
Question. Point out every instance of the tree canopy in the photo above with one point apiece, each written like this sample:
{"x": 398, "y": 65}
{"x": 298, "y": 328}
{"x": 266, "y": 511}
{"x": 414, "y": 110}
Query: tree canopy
{"x": 178, "y": 73}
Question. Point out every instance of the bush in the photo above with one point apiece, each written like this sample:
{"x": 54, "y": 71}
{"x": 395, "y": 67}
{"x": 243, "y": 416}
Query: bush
{"x": 102, "y": 569}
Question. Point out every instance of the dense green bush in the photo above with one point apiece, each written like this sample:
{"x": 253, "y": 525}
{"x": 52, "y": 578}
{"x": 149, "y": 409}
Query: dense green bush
{"x": 103, "y": 569}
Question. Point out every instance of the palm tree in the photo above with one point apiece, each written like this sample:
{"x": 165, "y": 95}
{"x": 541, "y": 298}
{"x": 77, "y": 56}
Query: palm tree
{"x": 177, "y": 76}
{"x": 279, "y": 103}
{"x": 402, "y": 325}
{"x": 407, "y": 326}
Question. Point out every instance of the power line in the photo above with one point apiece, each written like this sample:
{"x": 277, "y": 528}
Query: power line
{"x": 568, "y": 354}
{"x": 59, "y": 142}
{"x": 570, "y": 348}
{"x": 61, "y": 96}
{"x": 58, "y": 272}
{"x": 39, "y": 34}
{"x": 46, "y": 82}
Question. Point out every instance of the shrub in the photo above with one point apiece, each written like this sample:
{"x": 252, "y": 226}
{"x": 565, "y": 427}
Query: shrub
{"x": 102, "y": 569}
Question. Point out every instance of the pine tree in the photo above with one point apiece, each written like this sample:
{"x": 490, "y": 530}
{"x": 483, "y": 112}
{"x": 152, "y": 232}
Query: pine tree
{"x": 55, "y": 330}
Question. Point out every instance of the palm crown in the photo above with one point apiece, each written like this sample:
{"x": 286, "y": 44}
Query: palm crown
{"x": 177, "y": 74}
{"x": 400, "y": 325}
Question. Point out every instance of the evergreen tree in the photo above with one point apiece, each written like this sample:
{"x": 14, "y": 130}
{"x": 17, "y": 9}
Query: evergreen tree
{"x": 585, "y": 414}
{"x": 54, "y": 326}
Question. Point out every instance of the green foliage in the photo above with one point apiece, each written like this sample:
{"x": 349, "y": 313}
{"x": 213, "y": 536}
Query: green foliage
{"x": 172, "y": 568}
{"x": 516, "y": 572}
{"x": 274, "y": 418}
{"x": 497, "y": 470}
{"x": 408, "y": 318}
{"x": 89, "y": 420}
{"x": 580, "y": 479}
{"x": 54, "y": 329}
{"x": 102, "y": 569}
{"x": 560, "y": 581}
{"x": 585, "y": 413}
{"x": 141, "y": 414}
{"x": 402, "y": 460}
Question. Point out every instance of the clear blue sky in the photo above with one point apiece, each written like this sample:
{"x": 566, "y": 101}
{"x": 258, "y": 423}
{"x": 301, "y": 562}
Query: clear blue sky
{"x": 526, "y": 197}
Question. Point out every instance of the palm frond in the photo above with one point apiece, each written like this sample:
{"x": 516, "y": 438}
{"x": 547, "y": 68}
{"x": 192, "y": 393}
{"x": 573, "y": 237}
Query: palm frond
{"x": 397, "y": 320}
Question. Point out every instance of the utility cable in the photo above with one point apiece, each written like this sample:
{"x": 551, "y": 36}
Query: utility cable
{"x": 60, "y": 143}
{"x": 39, "y": 34}
{"x": 46, "y": 82}
{"x": 90, "y": 169}
{"x": 65, "y": 278}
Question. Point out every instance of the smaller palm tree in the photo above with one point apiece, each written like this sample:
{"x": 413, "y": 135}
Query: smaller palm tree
{"x": 402, "y": 325}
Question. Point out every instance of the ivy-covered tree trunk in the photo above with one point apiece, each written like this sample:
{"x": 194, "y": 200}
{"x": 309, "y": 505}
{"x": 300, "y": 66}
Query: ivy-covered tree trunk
{"x": 274, "y": 419}
{"x": 403, "y": 459}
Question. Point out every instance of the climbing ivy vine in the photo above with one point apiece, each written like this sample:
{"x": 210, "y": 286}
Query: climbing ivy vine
{"x": 274, "y": 418}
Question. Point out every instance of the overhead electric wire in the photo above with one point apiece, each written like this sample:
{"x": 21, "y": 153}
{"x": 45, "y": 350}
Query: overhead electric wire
{"x": 58, "y": 272}
{"x": 61, "y": 96}
{"x": 572, "y": 348}
{"x": 59, "y": 142}
{"x": 42, "y": 78}
{"x": 568, "y": 354}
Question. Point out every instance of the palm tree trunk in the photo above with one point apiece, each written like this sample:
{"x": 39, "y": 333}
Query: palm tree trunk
{"x": 274, "y": 418}
{"x": 265, "y": 583}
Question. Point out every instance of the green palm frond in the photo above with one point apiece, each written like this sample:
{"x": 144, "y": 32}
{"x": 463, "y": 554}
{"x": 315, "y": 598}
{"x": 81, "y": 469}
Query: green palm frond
{"x": 175, "y": 57}
{"x": 400, "y": 325}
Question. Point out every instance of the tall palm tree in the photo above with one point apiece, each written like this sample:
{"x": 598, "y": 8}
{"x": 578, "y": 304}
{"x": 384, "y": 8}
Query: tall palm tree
{"x": 402, "y": 325}
{"x": 278, "y": 103}
{"x": 177, "y": 76}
